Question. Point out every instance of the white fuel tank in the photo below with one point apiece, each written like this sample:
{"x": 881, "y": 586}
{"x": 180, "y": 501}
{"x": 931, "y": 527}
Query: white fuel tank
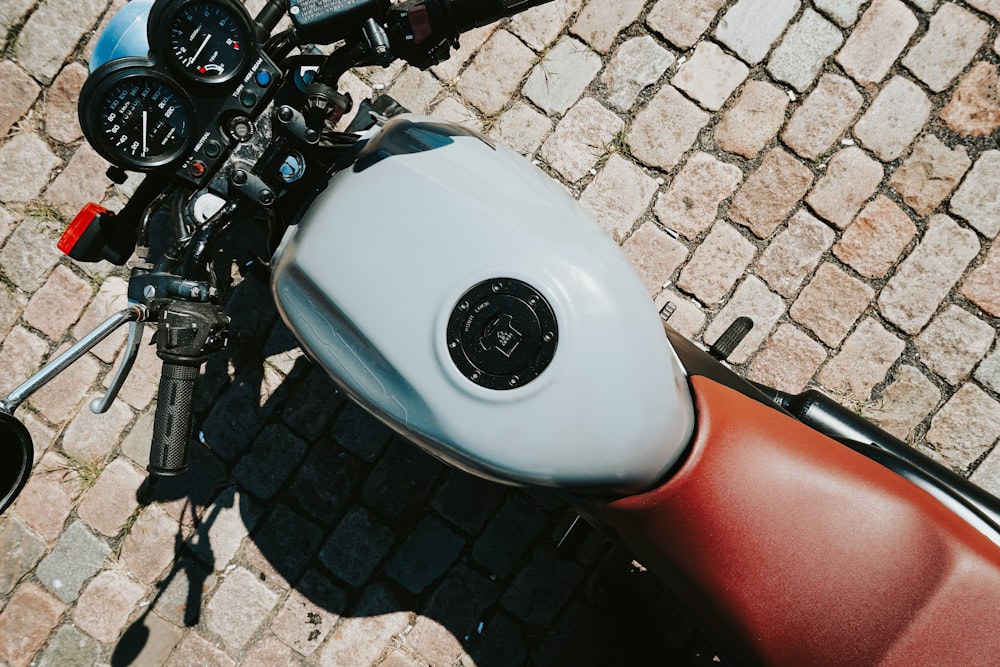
{"x": 468, "y": 301}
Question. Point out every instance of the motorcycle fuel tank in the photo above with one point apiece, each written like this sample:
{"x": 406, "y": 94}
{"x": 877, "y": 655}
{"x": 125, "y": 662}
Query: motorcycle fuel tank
{"x": 466, "y": 299}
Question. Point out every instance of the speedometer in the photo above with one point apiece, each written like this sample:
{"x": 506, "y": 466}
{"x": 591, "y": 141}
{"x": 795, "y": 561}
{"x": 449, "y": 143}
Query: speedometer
{"x": 207, "y": 41}
{"x": 135, "y": 117}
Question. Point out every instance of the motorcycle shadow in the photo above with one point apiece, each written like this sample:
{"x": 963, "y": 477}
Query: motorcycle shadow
{"x": 306, "y": 519}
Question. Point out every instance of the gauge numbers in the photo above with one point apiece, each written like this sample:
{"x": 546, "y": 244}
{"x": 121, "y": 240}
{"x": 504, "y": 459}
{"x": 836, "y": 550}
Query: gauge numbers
{"x": 143, "y": 123}
{"x": 207, "y": 41}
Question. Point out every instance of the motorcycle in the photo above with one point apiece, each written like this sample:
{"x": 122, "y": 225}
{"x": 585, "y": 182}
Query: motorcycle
{"x": 464, "y": 298}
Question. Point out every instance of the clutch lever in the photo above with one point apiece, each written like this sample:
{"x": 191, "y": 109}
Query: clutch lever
{"x": 133, "y": 314}
{"x": 100, "y": 405}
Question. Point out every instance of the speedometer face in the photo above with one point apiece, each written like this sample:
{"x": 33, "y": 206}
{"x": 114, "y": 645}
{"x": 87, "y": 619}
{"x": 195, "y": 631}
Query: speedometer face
{"x": 142, "y": 122}
{"x": 207, "y": 41}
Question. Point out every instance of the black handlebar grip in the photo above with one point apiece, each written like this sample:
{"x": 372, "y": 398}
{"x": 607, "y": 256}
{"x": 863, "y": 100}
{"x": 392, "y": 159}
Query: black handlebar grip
{"x": 469, "y": 14}
{"x": 168, "y": 454}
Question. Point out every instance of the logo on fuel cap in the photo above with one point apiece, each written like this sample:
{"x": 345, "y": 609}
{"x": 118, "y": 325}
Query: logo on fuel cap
{"x": 502, "y": 334}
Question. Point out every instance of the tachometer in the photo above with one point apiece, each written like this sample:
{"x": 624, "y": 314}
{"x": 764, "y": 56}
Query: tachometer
{"x": 207, "y": 41}
{"x": 135, "y": 117}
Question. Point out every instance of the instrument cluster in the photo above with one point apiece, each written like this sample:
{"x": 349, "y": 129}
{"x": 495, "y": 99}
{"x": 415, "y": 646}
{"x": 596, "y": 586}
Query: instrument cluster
{"x": 190, "y": 100}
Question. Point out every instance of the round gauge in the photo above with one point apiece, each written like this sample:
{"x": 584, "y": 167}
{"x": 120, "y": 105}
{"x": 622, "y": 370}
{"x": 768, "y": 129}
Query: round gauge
{"x": 207, "y": 41}
{"x": 137, "y": 119}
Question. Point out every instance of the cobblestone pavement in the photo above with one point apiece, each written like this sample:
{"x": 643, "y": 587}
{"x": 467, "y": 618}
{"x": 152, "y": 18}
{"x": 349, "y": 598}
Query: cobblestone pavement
{"x": 828, "y": 167}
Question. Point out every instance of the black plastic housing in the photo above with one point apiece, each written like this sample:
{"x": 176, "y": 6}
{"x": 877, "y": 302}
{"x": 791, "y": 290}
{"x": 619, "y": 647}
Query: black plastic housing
{"x": 326, "y": 21}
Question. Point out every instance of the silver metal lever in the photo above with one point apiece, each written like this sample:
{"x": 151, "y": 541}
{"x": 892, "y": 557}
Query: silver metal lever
{"x": 100, "y": 405}
{"x": 133, "y": 313}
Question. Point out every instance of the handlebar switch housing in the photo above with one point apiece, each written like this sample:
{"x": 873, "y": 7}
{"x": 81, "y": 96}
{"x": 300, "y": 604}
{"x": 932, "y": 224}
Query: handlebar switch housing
{"x": 326, "y": 21}
{"x": 421, "y": 32}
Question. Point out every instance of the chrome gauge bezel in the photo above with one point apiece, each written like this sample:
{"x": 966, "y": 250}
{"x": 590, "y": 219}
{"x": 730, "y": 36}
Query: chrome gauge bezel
{"x": 94, "y": 94}
{"x": 167, "y": 14}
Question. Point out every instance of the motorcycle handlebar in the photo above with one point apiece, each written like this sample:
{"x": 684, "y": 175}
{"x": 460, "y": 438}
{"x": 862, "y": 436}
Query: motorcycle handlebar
{"x": 168, "y": 454}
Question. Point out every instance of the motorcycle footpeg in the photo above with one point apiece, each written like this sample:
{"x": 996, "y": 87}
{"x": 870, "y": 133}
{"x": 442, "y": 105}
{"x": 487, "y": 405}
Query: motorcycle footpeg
{"x": 731, "y": 338}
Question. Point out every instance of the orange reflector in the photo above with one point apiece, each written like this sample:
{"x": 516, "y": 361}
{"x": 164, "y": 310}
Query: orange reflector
{"x": 81, "y": 223}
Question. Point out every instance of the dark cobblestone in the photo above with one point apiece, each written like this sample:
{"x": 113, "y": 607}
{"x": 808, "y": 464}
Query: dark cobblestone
{"x": 356, "y": 547}
{"x": 425, "y": 555}
{"x": 401, "y": 481}
{"x": 508, "y": 536}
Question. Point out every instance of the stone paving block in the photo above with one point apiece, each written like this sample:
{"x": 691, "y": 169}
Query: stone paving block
{"x": 7, "y": 224}
{"x": 539, "y": 26}
{"x": 309, "y": 614}
{"x": 982, "y": 286}
{"x": 46, "y": 500}
{"x": 496, "y": 72}
{"x": 831, "y": 303}
{"x": 52, "y": 33}
{"x": 521, "y": 128}
{"x": 541, "y": 589}
{"x": 466, "y": 501}
{"x": 863, "y": 361}
{"x": 991, "y": 7}
{"x": 581, "y": 138}
{"x": 75, "y": 185}
{"x": 751, "y": 299}
{"x": 954, "y": 342}
{"x": 111, "y": 500}
{"x": 974, "y": 107}
{"x": 61, "y": 119}
{"x": 579, "y": 637}
{"x": 794, "y": 253}
{"x": 325, "y": 481}
{"x": 222, "y": 528}
{"x": 110, "y": 298}
{"x": 23, "y": 352}
{"x": 691, "y": 204}
{"x": 181, "y": 600}
{"x": 12, "y": 303}
{"x": 987, "y": 474}
{"x": 618, "y": 196}
{"x": 21, "y": 550}
{"x": 634, "y": 66}
{"x": 977, "y": 199}
{"x": 20, "y": 93}
{"x": 950, "y": 43}
{"x": 666, "y": 129}
{"x": 682, "y": 313}
{"x": 448, "y": 70}
{"x": 242, "y": 410}
{"x": 12, "y": 12}
{"x": 77, "y": 556}
{"x": 788, "y": 360}
{"x": 710, "y": 75}
{"x": 501, "y": 643}
{"x": 26, "y": 622}
{"x": 655, "y": 255}
{"x": 143, "y": 380}
{"x": 360, "y": 433}
{"x": 29, "y": 163}
{"x": 42, "y": 436}
{"x": 311, "y": 407}
{"x": 750, "y": 27}
{"x": 452, "y": 110}
{"x": 905, "y": 403}
{"x": 877, "y": 40}
{"x": 415, "y": 89}
{"x": 988, "y": 372}
{"x": 425, "y": 555}
{"x": 106, "y": 604}
{"x": 272, "y": 456}
{"x": 283, "y": 546}
{"x": 717, "y": 264}
{"x": 875, "y": 241}
{"x": 851, "y": 178}
{"x": 161, "y": 640}
{"x": 894, "y": 119}
{"x": 924, "y": 278}
{"x": 238, "y": 607}
{"x": 58, "y": 303}
{"x": 770, "y": 193}
{"x": 401, "y": 481}
{"x": 823, "y": 117}
{"x": 801, "y": 55}
{"x": 30, "y": 251}
{"x": 965, "y": 428}
{"x": 61, "y": 399}
{"x": 600, "y": 22}
{"x": 683, "y": 22}
{"x": 356, "y": 547}
{"x": 930, "y": 173}
{"x": 753, "y": 121}
{"x": 453, "y": 614}
{"x": 503, "y": 543}
{"x": 69, "y": 646}
{"x": 843, "y": 12}
{"x": 559, "y": 80}
{"x": 91, "y": 437}
{"x": 195, "y": 650}
{"x": 151, "y": 544}
{"x": 269, "y": 652}
{"x": 364, "y": 636}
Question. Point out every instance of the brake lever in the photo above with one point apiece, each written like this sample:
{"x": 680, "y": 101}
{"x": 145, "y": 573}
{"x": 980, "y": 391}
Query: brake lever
{"x": 135, "y": 312}
{"x": 100, "y": 405}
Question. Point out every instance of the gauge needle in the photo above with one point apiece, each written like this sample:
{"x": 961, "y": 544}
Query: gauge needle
{"x": 145, "y": 124}
{"x": 198, "y": 52}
